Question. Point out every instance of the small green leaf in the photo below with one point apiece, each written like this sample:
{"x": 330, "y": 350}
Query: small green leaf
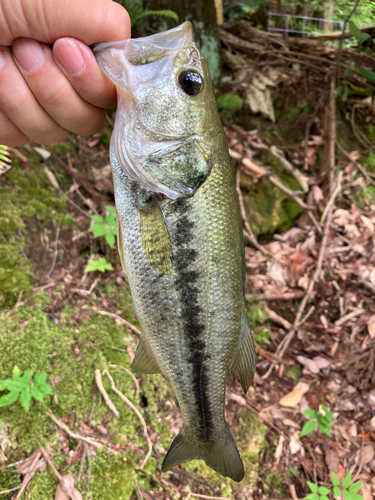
{"x": 336, "y": 491}
{"x": 97, "y": 218}
{"x": 308, "y": 428}
{"x": 354, "y": 30}
{"x": 345, "y": 95}
{"x": 46, "y": 389}
{"x": 110, "y": 238}
{"x": 25, "y": 399}
{"x": 349, "y": 72}
{"x": 164, "y": 13}
{"x": 37, "y": 394}
{"x": 27, "y": 377}
{"x": 15, "y": 385}
{"x": 9, "y": 399}
{"x": 347, "y": 495}
{"x": 324, "y": 497}
{"x": 367, "y": 73}
{"x": 111, "y": 210}
{"x": 355, "y": 487}
{"x": 335, "y": 480}
{"x": 2, "y": 385}
{"x": 347, "y": 480}
{"x": 324, "y": 491}
{"x": 99, "y": 230}
{"x": 338, "y": 92}
{"x": 363, "y": 38}
{"x": 355, "y": 496}
{"x": 40, "y": 378}
{"x": 16, "y": 373}
{"x": 313, "y": 496}
{"x": 313, "y": 487}
{"x": 311, "y": 413}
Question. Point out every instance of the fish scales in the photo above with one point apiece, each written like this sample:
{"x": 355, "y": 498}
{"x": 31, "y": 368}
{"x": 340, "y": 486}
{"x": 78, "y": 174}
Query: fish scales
{"x": 180, "y": 239}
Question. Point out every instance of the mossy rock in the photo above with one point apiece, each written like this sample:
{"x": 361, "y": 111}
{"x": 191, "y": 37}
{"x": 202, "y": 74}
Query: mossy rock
{"x": 269, "y": 209}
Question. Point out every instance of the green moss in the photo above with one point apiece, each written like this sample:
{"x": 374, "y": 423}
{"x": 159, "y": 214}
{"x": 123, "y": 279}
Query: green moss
{"x": 256, "y": 313}
{"x": 262, "y": 336}
{"x": 28, "y": 203}
{"x": 229, "y": 104}
{"x": 365, "y": 196}
{"x": 293, "y": 372}
{"x": 369, "y": 163}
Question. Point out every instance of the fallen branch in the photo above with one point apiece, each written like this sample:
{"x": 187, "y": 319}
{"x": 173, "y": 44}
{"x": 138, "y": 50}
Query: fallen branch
{"x": 331, "y": 201}
{"x": 119, "y": 319}
{"x": 298, "y": 294}
{"x": 55, "y": 252}
{"x": 277, "y": 319}
{"x": 72, "y": 434}
{"x": 347, "y": 317}
{"x": 135, "y": 410}
{"x": 27, "y": 477}
{"x": 107, "y": 399}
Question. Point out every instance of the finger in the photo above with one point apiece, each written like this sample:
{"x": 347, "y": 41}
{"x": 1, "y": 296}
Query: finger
{"x": 20, "y": 106}
{"x": 90, "y": 21}
{"x": 53, "y": 91}
{"x": 10, "y": 135}
{"x": 79, "y": 65}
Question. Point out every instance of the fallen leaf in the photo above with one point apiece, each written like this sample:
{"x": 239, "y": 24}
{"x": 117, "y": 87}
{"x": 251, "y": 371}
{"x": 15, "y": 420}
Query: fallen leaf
{"x": 292, "y": 398}
{"x": 367, "y": 455}
{"x": 60, "y": 495}
{"x": 368, "y": 223}
{"x": 66, "y": 489}
{"x": 295, "y": 444}
{"x": 366, "y": 492}
{"x": 42, "y": 152}
{"x": 279, "y": 449}
{"x": 276, "y": 273}
{"x": 321, "y": 362}
{"x": 332, "y": 460}
{"x": 371, "y": 326}
{"x": 308, "y": 363}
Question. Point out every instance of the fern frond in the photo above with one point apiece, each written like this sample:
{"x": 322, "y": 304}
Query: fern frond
{"x": 4, "y": 155}
{"x": 164, "y": 13}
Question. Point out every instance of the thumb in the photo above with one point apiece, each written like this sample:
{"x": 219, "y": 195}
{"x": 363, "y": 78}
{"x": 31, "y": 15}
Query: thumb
{"x": 91, "y": 21}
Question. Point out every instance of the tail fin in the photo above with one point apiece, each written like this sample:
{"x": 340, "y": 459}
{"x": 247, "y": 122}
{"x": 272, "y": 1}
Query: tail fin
{"x": 221, "y": 456}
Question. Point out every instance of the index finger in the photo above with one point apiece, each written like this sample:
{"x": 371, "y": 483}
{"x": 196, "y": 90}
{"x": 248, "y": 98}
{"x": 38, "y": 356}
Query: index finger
{"x": 91, "y": 21}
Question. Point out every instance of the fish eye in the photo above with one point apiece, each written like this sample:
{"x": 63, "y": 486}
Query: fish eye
{"x": 191, "y": 82}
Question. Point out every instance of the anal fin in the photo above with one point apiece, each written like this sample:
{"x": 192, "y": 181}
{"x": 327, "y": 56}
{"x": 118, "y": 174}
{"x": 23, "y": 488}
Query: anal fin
{"x": 144, "y": 361}
{"x": 244, "y": 366}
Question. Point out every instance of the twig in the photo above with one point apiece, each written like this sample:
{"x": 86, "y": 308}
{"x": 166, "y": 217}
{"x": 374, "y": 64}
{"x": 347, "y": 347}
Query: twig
{"x": 87, "y": 451}
{"x": 277, "y": 319}
{"x": 138, "y": 491}
{"x": 357, "y": 165}
{"x": 80, "y": 473}
{"x": 293, "y": 493}
{"x": 332, "y": 133}
{"x": 121, "y": 320}
{"x": 250, "y": 166}
{"x": 298, "y": 294}
{"x": 195, "y": 495}
{"x": 132, "y": 407}
{"x": 136, "y": 383}
{"x": 347, "y": 317}
{"x": 50, "y": 463}
{"x": 249, "y": 232}
{"x": 72, "y": 434}
{"x": 331, "y": 201}
{"x": 55, "y": 252}
{"x": 107, "y": 399}
{"x": 10, "y": 491}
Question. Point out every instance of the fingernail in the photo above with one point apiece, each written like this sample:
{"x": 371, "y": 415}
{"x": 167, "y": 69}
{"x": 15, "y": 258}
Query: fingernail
{"x": 29, "y": 55}
{"x": 69, "y": 56}
{"x": 2, "y": 59}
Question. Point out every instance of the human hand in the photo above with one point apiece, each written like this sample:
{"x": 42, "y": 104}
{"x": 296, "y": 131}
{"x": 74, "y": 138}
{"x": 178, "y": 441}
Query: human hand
{"x": 50, "y": 82}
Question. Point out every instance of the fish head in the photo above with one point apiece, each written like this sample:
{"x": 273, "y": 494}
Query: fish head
{"x": 166, "y": 110}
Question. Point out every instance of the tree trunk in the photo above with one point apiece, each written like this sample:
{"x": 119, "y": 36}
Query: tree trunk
{"x": 202, "y": 14}
{"x": 328, "y": 15}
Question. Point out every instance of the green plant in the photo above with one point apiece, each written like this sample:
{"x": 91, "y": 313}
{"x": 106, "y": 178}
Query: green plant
{"x": 105, "y": 226}
{"x": 24, "y": 388}
{"x": 321, "y": 419}
{"x": 98, "y": 265}
{"x": 317, "y": 492}
{"x": 348, "y": 489}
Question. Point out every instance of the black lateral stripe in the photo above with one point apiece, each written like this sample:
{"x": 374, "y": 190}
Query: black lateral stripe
{"x": 186, "y": 283}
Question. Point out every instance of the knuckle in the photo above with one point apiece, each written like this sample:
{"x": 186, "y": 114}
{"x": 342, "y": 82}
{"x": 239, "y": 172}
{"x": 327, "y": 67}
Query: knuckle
{"x": 93, "y": 123}
{"x": 54, "y": 137}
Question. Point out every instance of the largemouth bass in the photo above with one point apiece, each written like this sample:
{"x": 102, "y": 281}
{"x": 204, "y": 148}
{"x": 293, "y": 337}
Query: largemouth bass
{"x": 180, "y": 236}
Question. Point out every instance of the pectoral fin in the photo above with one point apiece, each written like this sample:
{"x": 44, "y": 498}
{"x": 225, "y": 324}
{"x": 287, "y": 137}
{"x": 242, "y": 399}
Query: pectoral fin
{"x": 144, "y": 361}
{"x": 244, "y": 366}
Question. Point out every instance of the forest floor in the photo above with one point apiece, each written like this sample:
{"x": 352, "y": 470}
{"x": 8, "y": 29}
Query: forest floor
{"x": 310, "y": 291}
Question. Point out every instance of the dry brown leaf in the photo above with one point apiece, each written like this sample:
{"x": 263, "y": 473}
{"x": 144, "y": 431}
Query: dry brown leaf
{"x": 66, "y": 489}
{"x": 367, "y": 455}
{"x": 365, "y": 491}
{"x": 321, "y": 362}
{"x": 295, "y": 444}
{"x": 292, "y": 398}
{"x": 279, "y": 448}
{"x": 332, "y": 460}
{"x": 308, "y": 363}
{"x": 371, "y": 326}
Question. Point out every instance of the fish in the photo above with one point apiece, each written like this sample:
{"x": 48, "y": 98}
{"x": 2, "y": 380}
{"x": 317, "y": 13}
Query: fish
{"x": 180, "y": 236}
